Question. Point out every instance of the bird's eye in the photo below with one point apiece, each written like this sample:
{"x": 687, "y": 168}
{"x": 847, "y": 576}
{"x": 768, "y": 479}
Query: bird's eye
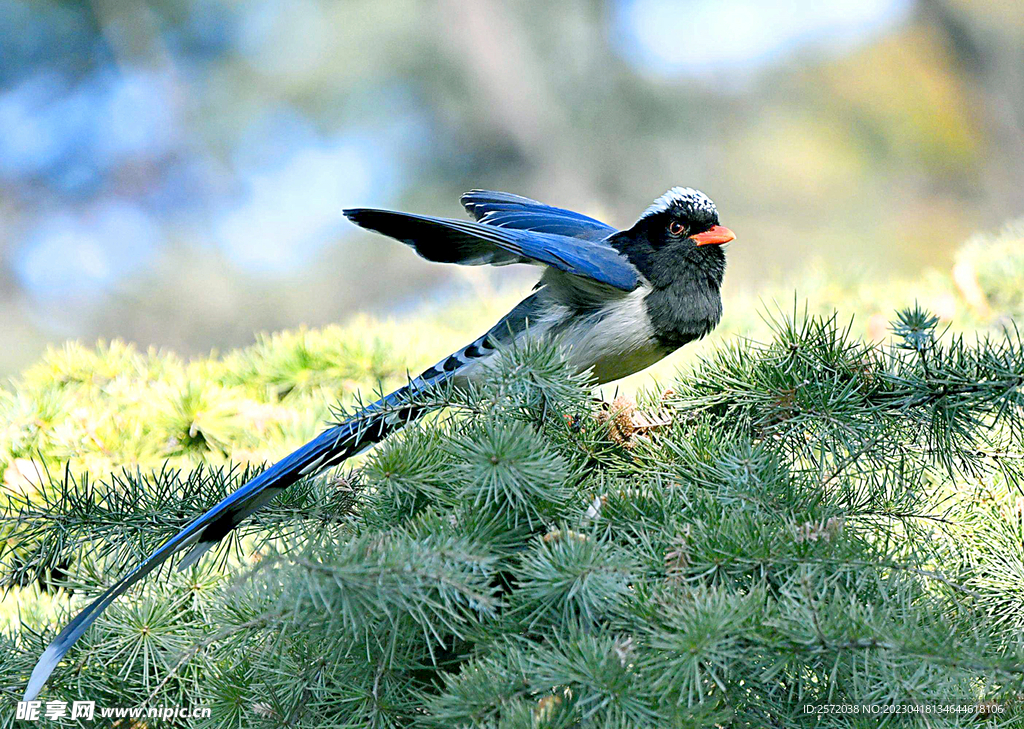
{"x": 676, "y": 228}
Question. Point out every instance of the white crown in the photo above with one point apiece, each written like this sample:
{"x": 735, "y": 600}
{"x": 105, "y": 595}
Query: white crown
{"x": 679, "y": 197}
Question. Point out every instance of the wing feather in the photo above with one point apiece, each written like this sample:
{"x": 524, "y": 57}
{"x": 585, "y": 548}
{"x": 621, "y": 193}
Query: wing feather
{"x": 505, "y": 210}
{"x": 476, "y": 243}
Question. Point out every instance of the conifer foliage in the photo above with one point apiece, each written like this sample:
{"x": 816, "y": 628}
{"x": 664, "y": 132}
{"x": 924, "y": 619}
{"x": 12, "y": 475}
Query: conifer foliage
{"x": 807, "y": 522}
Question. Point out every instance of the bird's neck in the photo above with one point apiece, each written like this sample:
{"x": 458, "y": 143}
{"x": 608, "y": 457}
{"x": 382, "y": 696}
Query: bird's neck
{"x": 701, "y": 268}
{"x": 684, "y": 302}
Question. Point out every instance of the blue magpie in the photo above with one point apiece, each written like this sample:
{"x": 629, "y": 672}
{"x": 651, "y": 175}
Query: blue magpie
{"x": 615, "y": 301}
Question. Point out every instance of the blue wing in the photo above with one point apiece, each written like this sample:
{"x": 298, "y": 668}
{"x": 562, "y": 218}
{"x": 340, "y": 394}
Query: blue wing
{"x": 473, "y": 244}
{"x": 505, "y": 210}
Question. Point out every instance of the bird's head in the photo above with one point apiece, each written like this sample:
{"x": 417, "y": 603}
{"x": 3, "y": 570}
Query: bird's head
{"x": 678, "y": 233}
{"x": 683, "y": 217}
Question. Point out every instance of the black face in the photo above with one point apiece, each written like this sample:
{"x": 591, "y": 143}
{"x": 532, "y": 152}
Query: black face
{"x": 679, "y": 223}
{"x": 669, "y": 244}
{"x": 676, "y": 245}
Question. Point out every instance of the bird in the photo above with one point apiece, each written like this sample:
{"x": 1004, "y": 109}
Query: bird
{"x": 614, "y": 301}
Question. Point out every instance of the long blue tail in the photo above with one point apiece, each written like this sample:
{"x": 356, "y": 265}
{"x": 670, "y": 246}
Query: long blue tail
{"x": 334, "y": 445}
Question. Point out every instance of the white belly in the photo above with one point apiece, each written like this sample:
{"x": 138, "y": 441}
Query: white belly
{"x": 614, "y": 342}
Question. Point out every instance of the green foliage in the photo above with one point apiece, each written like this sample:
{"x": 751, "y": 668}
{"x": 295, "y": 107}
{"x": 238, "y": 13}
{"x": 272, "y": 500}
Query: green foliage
{"x": 812, "y": 519}
{"x": 505, "y": 469}
{"x": 112, "y": 407}
{"x": 806, "y": 530}
{"x": 991, "y": 269}
{"x": 567, "y": 577}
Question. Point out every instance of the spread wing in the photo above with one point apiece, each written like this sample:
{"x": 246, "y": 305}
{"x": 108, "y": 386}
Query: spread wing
{"x": 505, "y": 210}
{"x": 477, "y": 243}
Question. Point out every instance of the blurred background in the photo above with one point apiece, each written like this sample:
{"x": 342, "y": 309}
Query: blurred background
{"x": 172, "y": 172}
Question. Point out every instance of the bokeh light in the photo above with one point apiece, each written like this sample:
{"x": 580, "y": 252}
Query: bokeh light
{"x": 173, "y": 172}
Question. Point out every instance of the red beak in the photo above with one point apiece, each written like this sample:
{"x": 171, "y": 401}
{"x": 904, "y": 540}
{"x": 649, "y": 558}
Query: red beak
{"x": 715, "y": 236}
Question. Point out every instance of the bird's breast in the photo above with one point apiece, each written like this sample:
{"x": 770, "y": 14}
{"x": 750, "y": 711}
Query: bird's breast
{"x": 614, "y": 340}
{"x": 680, "y": 313}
